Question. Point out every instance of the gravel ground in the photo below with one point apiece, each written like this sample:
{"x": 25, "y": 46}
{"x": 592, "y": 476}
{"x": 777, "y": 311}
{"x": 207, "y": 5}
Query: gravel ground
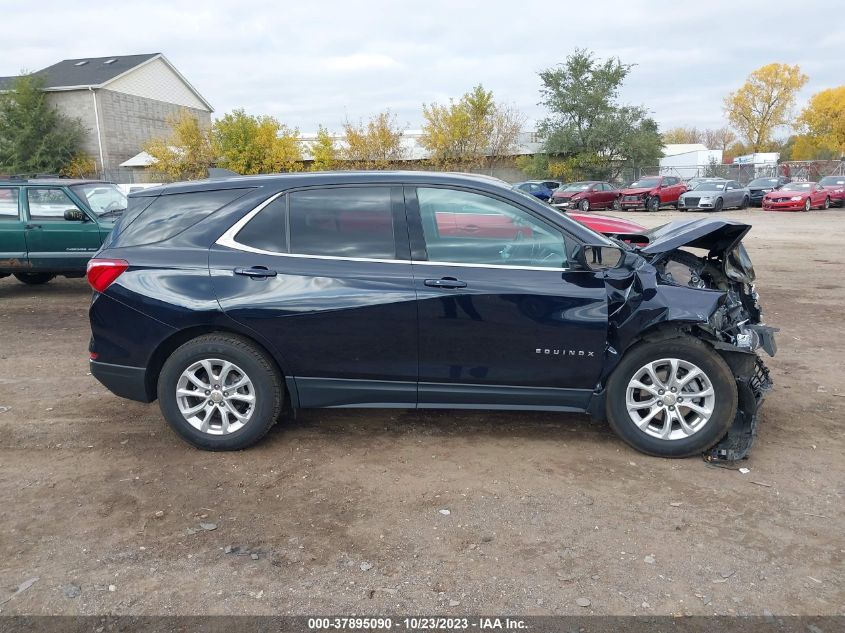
{"x": 424, "y": 512}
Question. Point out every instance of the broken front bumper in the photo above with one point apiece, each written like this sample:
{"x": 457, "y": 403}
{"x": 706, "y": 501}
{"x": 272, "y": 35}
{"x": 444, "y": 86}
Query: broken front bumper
{"x": 752, "y": 389}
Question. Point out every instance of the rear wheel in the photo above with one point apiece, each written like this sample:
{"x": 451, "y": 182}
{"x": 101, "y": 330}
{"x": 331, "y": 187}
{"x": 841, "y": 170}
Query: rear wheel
{"x": 584, "y": 205}
{"x": 34, "y": 279}
{"x": 672, "y": 398}
{"x": 220, "y": 392}
{"x": 653, "y": 203}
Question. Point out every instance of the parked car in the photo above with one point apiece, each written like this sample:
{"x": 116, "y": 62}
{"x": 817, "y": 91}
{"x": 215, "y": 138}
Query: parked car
{"x": 232, "y": 301}
{"x": 652, "y": 193}
{"x": 692, "y": 183}
{"x": 759, "y": 187}
{"x": 590, "y": 194}
{"x": 835, "y": 186}
{"x": 797, "y": 196}
{"x": 536, "y": 188}
{"x": 52, "y": 227}
{"x": 608, "y": 225}
{"x": 715, "y": 195}
{"x": 551, "y": 185}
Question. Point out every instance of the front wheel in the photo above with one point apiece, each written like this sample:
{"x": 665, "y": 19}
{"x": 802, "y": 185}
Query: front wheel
{"x": 807, "y": 204}
{"x": 220, "y": 392}
{"x": 617, "y": 204}
{"x": 34, "y": 279}
{"x": 653, "y": 204}
{"x": 584, "y": 205}
{"x": 744, "y": 203}
{"x": 672, "y": 398}
{"x": 827, "y": 203}
{"x": 717, "y": 206}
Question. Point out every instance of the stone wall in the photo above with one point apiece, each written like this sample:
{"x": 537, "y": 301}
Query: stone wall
{"x": 79, "y": 104}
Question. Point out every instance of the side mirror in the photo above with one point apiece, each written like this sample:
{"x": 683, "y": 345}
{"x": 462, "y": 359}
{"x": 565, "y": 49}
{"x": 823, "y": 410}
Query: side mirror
{"x": 596, "y": 257}
{"x": 75, "y": 215}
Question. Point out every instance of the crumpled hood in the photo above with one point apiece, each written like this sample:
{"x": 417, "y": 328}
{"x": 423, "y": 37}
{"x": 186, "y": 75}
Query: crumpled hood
{"x": 636, "y": 192}
{"x": 716, "y": 235}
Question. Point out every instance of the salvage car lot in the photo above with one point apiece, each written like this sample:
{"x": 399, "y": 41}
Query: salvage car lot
{"x": 425, "y": 512}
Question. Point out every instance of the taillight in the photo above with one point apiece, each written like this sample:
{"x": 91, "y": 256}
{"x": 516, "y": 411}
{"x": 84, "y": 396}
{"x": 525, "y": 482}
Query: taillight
{"x": 102, "y": 272}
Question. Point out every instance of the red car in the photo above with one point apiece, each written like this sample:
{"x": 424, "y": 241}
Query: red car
{"x": 797, "y": 196}
{"x": 586, "y": 195}
{"x": 652, "y": 193}
{"x": 835, "y": 186}
{"x": 608, "y": 225}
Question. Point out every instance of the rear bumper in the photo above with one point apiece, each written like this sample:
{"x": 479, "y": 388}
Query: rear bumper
{"x": 123, "y": 381}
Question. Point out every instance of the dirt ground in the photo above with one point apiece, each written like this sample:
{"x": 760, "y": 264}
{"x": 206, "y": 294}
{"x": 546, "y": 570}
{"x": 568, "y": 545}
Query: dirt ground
{"x": 342, "y": 512}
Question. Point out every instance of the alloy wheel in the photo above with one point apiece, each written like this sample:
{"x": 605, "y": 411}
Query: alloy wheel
{"x": 670, "y": 399}
{"x": 215, "y": 396}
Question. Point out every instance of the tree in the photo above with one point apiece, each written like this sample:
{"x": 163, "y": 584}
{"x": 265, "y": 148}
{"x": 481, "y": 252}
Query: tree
{"x": 324, "y": 151}
{"x": 764, "y": 103}
{"x": 187, "y": 153}
{"x": 588, "y": 125}
{"x": 34, "y": 137}
{"x": 456, "y": 134}
{"x": 249, "y": 144}
{"x": 506, "y": 125}
{"x": 376, "y": 144}
{"x": 682, "y": 135}
{"x": 719, "y": 138}
{"x": 823, "y": 120}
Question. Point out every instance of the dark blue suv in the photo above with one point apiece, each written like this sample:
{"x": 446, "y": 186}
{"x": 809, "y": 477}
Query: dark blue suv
{"x": 233, "y": 301}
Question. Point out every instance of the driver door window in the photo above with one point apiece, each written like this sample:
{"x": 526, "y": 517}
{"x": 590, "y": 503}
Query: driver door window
{"x": 469, "y": 228}
{"x": 48, "y": 205}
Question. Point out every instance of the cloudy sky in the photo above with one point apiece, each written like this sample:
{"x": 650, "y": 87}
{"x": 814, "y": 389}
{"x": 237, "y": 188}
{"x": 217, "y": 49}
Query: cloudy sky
{"x": 320, "y": 62}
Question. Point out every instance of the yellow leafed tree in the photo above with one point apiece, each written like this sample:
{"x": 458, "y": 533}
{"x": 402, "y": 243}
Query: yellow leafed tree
{"x": 249, "y": 144}
{"x": 376, "y": 144}
{"x": 187, "y": 153}
{"x": 764, "y": 103}
{"x": 824, "y": 121}
{"x": 324, "y": 151}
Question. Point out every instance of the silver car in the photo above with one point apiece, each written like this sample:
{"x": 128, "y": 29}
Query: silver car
{"x": 715, "y": 195}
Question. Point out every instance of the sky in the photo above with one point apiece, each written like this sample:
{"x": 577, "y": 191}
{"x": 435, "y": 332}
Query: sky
{"x": 324, "y": 62}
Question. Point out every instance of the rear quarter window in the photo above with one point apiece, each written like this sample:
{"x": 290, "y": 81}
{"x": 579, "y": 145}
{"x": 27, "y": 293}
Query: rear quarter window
{"x": 170, "y": 214}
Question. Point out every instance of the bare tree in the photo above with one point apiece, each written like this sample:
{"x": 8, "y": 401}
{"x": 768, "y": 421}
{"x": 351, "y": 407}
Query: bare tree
{"x": 719, "y": 138}
{"x": 506, "y": 125}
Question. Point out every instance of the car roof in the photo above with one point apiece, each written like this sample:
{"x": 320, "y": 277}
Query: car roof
{"x": 305, "y": 179}
{"x": 51, "y": 181}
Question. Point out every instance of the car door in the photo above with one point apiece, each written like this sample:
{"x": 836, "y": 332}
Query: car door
{"x": 12, "y": 238}
{"x": 503, "y": 319}
{"x": 54, "y": 243}
{"x": 323, "y": 276}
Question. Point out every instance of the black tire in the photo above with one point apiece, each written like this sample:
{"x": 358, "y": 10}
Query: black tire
{"x": 34, "y": 279}
{"x": 690, "y": 350}
{"x": 745, "y": 202}
{"x": 807, "y": 205}
{"x": 255, "y": 363}
{"x": 584, "y": 205}
{"x": 719, "y": 204}
{"x": 653, "y": 204}
{"x": 616, "y": 205}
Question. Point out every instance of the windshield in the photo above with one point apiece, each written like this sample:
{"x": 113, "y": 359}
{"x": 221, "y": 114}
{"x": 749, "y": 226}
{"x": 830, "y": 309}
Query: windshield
{"x": 763, "y": 182}
{"x": 709, "y": 186}
{"x": 797, "y": 186}
{"x": 645, "y": 183}
{"x": 578, "y": 186}
{"x": 832, "y": 181}
{"x": 102, "y": 197}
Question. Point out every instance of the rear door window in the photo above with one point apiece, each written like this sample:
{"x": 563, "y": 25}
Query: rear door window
{"x": 9, "y": 210}
{"x": 342, "y": 222}
{"x": 170, "y": 214}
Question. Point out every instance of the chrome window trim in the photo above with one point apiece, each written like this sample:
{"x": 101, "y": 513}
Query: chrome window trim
{"x": 228, "y": 240}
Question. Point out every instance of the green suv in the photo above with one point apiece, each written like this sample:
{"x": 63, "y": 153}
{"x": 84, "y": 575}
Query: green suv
{"x": 52, "y": 227}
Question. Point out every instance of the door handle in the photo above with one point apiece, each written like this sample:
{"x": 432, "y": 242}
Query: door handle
{"x": 33, "y": 226}
{"x": 256, "y": 272}
{"x": 445, "y": 282}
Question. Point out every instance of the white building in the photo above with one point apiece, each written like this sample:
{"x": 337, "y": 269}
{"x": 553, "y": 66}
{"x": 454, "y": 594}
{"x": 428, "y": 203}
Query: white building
{"x": 686, "y": 160}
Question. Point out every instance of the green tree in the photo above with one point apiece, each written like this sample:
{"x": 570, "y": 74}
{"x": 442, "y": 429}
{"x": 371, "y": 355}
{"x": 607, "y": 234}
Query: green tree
{"x": 187, "y": 153}
{"x": 376, "y": 144}
{"x": 324, "y": 151}
{"x": 249, "y": 144}
{"x": 587, "y": 124}
{"x": 764, "y": 103}
{"x": 35, "y": 137}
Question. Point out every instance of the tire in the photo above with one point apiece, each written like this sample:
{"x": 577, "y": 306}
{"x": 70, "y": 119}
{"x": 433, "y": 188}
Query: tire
{"x": 705, "y": 433}
{"x": 213, "y": 350}
{"x": 807, "y": 205}
{"x": 827, "y": 203}
{"x": 744, "y": 203}
{"x": 718, "y": 206}
{"x": 653, "y": 204}
{"x": 616, "y": 205}
{"x": 34, "y": 279}
{"x": 584, "y": 205}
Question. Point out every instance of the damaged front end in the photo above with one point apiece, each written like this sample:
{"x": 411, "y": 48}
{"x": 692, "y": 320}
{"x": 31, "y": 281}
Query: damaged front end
{"x": 709, "y": 295}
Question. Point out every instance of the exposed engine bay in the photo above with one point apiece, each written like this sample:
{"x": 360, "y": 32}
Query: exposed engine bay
{"x": 709, "y": 294}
